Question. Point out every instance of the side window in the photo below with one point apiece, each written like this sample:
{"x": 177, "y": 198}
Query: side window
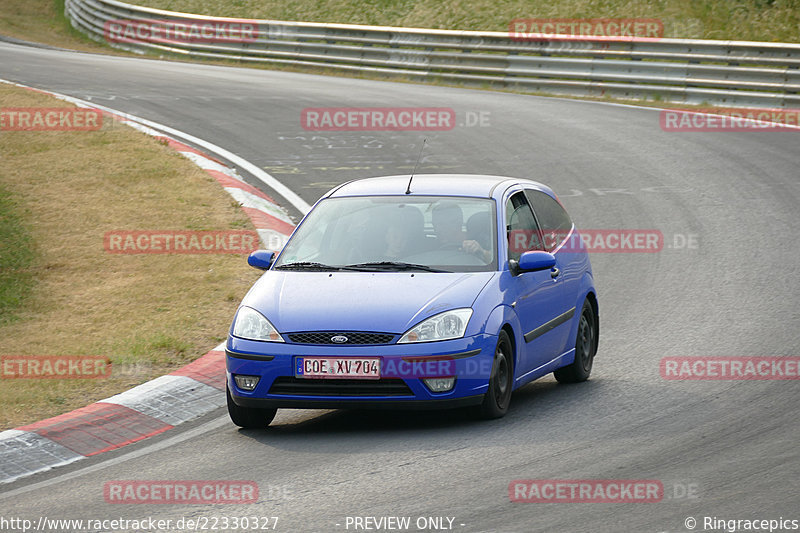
{"x": 521, "y": 228}
{"x": 554, "y": 221}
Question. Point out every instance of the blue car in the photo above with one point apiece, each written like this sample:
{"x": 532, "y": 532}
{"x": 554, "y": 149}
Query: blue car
{"x": 431, "y": 291}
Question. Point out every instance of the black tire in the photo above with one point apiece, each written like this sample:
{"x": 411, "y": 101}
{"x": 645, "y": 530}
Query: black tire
{"x": 585, "y": 349}
{"x": 501, "y": 381}
{"x": 249, "y": 417}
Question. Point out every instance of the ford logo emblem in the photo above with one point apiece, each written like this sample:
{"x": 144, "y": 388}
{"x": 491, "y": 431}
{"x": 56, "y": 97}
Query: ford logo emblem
{"x": 339, "y": 339}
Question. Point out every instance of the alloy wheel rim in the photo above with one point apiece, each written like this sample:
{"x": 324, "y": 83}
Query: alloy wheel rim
{"x": 501, "y": 378}
{"x": 586, "y": 337}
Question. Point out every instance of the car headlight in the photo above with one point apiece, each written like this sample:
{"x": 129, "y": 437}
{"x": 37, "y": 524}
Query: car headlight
{"x": 448, "y": 325}
{"x": 250, "y": 324}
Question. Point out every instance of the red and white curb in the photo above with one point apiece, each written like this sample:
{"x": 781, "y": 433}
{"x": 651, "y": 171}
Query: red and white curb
{"x": 270, "y": 220}
{"x": 165, "y": 402}
{"x": 143, "y": 411}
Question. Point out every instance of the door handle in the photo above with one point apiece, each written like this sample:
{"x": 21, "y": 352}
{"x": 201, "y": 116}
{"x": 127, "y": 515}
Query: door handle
{"x": 555, "y": 272}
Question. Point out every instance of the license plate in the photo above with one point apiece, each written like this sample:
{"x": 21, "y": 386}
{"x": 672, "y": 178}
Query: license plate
{"x": 337, "y": 367}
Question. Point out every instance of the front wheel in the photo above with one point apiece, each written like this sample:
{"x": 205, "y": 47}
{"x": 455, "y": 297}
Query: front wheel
{"x": 585, "y": 349}
{"x": 501, "y": 381}
{"x": 248, "y": 417}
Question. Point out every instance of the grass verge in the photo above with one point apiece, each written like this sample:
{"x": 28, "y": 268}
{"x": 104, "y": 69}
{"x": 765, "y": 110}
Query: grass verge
{"x": 749, "y": 20}
{"x": 16, "y": 257}
{"x": 148, "y": 313}
{"x": 43, "y": 21}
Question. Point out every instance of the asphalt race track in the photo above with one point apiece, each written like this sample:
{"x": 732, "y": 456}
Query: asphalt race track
{"x": 724, "y": 449}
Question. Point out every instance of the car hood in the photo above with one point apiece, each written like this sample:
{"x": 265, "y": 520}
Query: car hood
{"x": 389, "y": 302}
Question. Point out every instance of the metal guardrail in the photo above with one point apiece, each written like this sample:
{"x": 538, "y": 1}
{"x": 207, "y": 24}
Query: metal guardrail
{"x": 720, "y": 73}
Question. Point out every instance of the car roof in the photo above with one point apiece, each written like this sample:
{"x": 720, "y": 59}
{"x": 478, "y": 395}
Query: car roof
{"x": 473, "y": 185}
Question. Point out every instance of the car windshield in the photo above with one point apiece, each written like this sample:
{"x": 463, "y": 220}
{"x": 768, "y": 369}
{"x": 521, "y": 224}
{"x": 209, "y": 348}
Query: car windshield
{"x": 391, "y": 233}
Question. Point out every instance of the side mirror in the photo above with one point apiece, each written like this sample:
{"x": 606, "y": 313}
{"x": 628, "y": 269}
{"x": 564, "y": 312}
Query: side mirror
{"x": 261, "y": 259}
{"x": 536, "y": 261}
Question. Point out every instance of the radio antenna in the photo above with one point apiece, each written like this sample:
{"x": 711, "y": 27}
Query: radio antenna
{"x": 408, "y": 189}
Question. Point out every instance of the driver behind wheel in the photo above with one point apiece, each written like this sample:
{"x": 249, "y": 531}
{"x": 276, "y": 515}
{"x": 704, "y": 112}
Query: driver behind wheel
{"x": 448, "y": 225}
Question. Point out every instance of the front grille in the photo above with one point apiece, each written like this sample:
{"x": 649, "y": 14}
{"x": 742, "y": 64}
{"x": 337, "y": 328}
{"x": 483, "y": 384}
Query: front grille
{"x": 340, "y": 387}
{"x": 353, "y": 337}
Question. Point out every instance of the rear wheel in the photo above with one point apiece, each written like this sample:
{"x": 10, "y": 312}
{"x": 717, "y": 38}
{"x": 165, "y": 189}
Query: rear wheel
{"x": 248, "y": 417}
{"x": 501, "y": 381}
{"x": 585, "y": 348}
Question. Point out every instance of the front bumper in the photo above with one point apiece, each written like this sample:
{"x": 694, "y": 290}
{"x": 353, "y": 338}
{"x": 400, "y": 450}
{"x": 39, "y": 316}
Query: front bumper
{"x": 292, "y": 403}
{"x": 468, "y": 359}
